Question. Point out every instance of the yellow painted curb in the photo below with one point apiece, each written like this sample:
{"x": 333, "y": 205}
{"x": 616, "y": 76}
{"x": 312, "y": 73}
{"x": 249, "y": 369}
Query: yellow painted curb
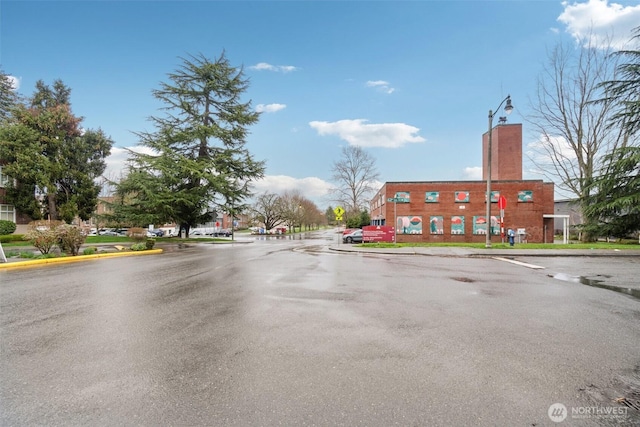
{"x": 78, "y": 258}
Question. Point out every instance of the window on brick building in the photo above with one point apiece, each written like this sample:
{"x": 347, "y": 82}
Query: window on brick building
{"x": 436, "y": 225}
{"x": 457, "y": 224}
{"x": 8, "y": 213}
{"x": 525, "y": 196}
{"x": 432, "y": 197}
{"x": 411, "y": 224}
{"x": 403, "y": 197}
{"x": 480, "y": 225}
{"x": 4, "y": 179}
{"x": 462, "y": 196}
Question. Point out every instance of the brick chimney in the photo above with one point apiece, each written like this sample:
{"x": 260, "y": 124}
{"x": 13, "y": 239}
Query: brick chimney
{"x": 506, "y": 152}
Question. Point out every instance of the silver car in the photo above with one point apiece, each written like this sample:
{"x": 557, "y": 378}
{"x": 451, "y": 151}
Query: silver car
{"x": 353, "y": 237}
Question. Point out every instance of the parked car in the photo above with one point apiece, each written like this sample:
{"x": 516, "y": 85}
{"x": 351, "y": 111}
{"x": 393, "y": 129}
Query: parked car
{"x": 353, "y": 237}
{"x": 222, "y": 232}
{"x": 122, "y": 232}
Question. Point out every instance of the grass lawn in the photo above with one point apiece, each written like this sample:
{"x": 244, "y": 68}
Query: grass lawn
{"x": 631, "y": 244}
{"x": 122, "y": 240}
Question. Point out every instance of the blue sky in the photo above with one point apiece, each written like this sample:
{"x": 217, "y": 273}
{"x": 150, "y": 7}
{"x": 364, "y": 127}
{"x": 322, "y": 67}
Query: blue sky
{"x": 412, "y": 82}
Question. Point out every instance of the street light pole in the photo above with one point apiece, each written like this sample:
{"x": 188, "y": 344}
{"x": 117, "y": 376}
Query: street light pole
{"x": 507, "y": 108}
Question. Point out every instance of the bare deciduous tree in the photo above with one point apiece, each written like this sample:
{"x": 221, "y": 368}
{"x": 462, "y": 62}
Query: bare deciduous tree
{"x": 268, "y": 210}
{"x": 312, "y": 216}
{"x": 573, "y": 130}
{"x": 354, "y": 174}
{"x": 290, "y": 209}
{"x": 291, "y": 205}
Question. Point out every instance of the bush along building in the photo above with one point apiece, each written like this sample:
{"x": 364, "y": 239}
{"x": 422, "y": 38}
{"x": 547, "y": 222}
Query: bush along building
{"x": 455, "y": 211}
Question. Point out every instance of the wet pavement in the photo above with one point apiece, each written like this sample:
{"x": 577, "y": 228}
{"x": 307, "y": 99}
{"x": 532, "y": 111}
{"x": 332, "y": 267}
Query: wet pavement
{"x": 300, "y": 332}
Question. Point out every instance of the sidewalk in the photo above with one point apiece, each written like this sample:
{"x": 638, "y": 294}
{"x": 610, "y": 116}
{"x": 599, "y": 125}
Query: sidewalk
{"x": 490, "y": 252}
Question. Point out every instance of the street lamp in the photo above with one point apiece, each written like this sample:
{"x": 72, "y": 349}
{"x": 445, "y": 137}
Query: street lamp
{"x": 507, "y": 109}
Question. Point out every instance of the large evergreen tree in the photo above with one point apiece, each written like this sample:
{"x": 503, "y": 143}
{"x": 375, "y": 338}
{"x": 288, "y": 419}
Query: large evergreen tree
{"x": 52, "y": 160}
{"x": 615, "y": 198}
{"x": 624, "y": 91}
{"x": 196, "y": 160}
{"x": 8, "y": 96}
{"x": 615, "y": 193}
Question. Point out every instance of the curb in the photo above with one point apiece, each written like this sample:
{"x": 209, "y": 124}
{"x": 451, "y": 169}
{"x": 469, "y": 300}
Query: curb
{"x": 452, "y": 251}
{"x": 70, "y": 259}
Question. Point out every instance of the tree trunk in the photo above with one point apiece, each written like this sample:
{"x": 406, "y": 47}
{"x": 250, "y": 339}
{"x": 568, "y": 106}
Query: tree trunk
{"x": 53, "y": 211}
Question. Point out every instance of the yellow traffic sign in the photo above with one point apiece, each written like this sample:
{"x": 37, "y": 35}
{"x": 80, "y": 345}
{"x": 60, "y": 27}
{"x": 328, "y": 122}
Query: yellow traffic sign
{"x": 339, "y": 211}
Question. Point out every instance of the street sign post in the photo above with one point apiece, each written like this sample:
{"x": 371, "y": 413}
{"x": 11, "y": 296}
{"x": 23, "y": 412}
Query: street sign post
{"x": 502, "y": 204}
{"x": 395, "y": 218}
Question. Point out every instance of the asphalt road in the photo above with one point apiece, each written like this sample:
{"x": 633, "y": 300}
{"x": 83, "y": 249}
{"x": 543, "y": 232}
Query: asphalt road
{"x": 287, "y": 332}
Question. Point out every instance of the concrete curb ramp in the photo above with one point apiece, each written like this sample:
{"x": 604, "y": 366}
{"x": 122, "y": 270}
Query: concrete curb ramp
{"x": 69, "y": 259}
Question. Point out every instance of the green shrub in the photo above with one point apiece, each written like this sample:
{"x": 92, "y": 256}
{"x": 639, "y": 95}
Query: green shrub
{"x": 69, "y": 238}
{"x": 138, "y": 247}
{"x": 12, "y": 238}
{"x": 27, "y": 255}
{"x": 89, "y": 251}
{"x": 49, "y": 255}
{"x": 7, "y": 227}
{"x": 150, "y": 243}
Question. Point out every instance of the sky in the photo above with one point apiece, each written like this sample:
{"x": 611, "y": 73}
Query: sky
{"x": 411, "y": 82}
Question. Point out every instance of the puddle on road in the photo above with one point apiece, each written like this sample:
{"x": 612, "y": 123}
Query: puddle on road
{"x": 596, "y": 283}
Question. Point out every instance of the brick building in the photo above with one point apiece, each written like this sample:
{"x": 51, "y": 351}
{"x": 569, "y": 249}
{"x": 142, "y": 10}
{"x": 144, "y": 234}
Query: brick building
{"x": 455, "y": 211}
{"x": 8, "y": 211}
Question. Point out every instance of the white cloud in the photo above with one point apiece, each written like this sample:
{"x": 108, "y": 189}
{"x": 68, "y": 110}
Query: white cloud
{"x": 263, "y": 66}
{"x": 116, "y": 163}
{"x": 15, "y": 82}
{"x": 359, "y": 133}
{"x": 381, "y": 86}
{"x": 117, "y": 160}
{"x": 601, "y": 21}
{"x": 472, "y": 173}
{"x": 270, "y": 108}
{"x": 313, "y": 188}
{"x": 547, "y": 147}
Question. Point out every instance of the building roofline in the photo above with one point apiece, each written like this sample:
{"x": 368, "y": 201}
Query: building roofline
{"x": 468, "y": 182}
